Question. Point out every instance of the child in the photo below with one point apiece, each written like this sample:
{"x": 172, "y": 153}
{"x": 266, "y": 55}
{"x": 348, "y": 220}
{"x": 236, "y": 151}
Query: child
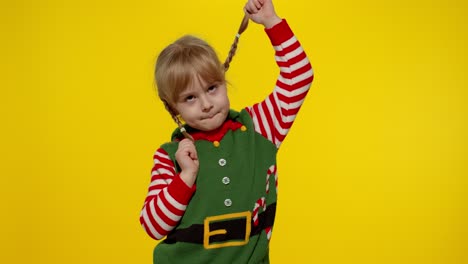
{"x": 213, "y": 193}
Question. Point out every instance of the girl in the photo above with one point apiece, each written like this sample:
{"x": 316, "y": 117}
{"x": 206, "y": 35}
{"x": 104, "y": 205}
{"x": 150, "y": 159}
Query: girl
{"x": 213, "y": 193}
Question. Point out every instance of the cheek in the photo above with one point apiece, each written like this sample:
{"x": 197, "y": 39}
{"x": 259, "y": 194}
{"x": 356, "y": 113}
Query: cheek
{"x": 184, "y": 112}
{"x": 224, "y": 101}
{"x": 228, "y": 104}
{"x": 186, "y": 115}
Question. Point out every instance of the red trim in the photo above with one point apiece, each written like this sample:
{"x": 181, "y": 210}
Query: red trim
{"x": 217, "y": 134}
{"x": 279, "y": 33}
{"x": 179, "y": 190}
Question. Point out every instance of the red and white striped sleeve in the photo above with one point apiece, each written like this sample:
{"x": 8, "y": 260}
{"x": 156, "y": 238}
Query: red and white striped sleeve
{"x": 274, "y": 116}
{"x": 167, "y": 198}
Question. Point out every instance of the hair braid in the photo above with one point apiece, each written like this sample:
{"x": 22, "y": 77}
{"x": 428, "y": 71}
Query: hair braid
{"x": 232, "y": 51}
{"x": 176, "y": 119}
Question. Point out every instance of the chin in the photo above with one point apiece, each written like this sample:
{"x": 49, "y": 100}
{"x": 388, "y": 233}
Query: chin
{"x": 213, "y": 124}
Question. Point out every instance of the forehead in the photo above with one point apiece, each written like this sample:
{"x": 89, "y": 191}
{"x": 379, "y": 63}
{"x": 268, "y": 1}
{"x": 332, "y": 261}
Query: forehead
{"x": 197, "y": 82}
{"x": 191, "y": 78}
{"x": 194, "y": 85}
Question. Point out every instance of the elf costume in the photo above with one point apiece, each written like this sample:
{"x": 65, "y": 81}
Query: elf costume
{"x": 228, "y": 214}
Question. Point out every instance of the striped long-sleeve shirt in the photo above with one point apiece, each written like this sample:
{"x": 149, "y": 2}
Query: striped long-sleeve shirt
{"x": 168, "y": 195}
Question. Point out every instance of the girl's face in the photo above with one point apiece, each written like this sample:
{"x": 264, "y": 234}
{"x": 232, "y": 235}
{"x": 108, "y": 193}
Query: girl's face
{"x": 203, "y": 106}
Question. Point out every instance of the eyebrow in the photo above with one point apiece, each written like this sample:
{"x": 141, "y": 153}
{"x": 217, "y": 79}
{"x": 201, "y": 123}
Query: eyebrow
{"x": 186, "y": 93}
{"x": 189, "y": 91}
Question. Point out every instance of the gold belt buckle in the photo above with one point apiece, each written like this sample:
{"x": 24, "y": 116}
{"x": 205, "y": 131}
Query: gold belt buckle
{"x": 207, "y": 233}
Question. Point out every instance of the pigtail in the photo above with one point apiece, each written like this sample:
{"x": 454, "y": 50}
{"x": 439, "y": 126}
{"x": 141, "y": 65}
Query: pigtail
{"x": 176, "y": 119}
{"x": 232, "y": 51}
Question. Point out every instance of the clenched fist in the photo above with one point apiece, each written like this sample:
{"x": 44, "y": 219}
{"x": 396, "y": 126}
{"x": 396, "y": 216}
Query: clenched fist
{"x": 262, "y": 12}
{"x": 187, "y": 158}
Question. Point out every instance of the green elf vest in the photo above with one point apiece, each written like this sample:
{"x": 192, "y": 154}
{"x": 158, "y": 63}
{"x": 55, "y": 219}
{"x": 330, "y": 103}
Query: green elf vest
{"x": 233, "y": 188}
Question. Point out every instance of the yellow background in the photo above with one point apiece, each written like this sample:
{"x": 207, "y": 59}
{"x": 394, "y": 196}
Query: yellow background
{"x": 373, "y": 171}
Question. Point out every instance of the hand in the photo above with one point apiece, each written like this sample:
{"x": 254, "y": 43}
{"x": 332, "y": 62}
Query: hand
{"x": 186, "y": 156}
{"x": 262, "y": 12}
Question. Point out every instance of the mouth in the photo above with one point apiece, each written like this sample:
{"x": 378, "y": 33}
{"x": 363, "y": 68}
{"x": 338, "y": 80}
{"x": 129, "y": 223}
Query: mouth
{"x": 209, "y": 116}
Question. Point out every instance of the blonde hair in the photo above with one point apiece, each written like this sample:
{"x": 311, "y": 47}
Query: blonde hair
{"x": 180, "y": 63}
{"x": 188, "y": 58}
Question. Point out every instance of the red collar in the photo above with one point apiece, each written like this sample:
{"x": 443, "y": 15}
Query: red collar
{"x": 217, "y": 134}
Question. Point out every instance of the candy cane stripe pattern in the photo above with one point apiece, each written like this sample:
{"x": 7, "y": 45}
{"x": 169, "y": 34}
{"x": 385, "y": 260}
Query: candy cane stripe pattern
{"x": 167, "y": 198}
{"x": 274, "y": 116}
{"x": 271, "y": 170}
{"x": 268, "y": 232}
{"x": 260, "y": 203}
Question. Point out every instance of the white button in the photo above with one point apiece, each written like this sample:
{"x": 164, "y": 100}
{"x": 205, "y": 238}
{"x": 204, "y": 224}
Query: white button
{"x": 222, "y": 162}
{"x": 227, "y": 202}
{"x": 226, "y": 180}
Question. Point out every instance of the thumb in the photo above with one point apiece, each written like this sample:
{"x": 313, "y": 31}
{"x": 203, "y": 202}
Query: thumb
{"x": 193, "y": 155}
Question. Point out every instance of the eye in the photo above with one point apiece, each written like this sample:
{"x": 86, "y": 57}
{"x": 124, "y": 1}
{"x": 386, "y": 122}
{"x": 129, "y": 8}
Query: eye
{"x": 189, "y": 98}
{"x": 211, "y": 88}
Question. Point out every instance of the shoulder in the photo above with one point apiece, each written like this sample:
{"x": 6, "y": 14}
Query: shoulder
{"x": 169, "y": 147}
{"x": 245, "y": 116}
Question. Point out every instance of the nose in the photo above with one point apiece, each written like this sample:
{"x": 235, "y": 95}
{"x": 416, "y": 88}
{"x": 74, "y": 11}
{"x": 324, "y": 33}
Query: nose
{"x": 206, "y": 104}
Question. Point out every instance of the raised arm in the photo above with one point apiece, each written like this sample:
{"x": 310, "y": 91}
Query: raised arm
{"x": 274, "y": 116}
{"x": 167, "y": 198}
